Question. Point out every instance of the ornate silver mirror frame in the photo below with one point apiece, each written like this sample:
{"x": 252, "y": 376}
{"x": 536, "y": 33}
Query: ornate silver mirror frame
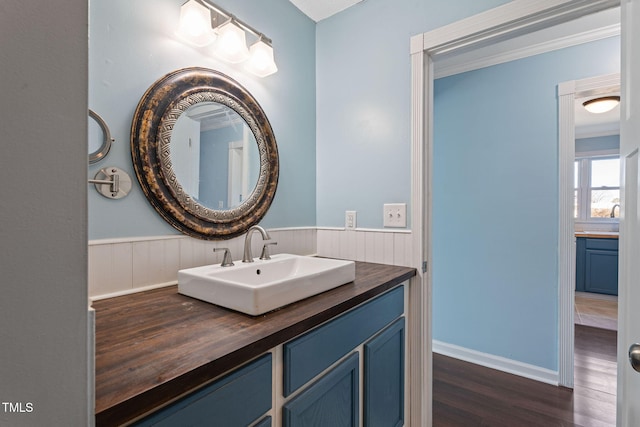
{"x": 151, "y": 130}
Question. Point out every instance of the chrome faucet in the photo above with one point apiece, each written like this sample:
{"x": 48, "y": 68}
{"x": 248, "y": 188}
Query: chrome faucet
{"x": 226, "y": 259}
{"x": 248, "y": 257}
{"x": 613, "y": 215}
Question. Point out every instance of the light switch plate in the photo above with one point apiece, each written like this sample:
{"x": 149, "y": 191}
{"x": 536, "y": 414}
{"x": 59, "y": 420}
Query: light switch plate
{"x": 395, "y": 215}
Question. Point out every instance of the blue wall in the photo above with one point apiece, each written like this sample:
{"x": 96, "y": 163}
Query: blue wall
{"x": 609, "y": 142}
{"x": 340, "y": 109}
{"x": 214, "y": 164}
{"x": 364, "y": 102}
{"x": 362, "y": 155}
{"x": 495, "y": 202}
{"x": 132, "y": 44}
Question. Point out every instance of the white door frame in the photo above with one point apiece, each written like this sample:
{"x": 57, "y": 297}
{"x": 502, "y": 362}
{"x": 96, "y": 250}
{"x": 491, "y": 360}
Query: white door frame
{"x": 567, "y": 94}
{"x": 512, "y": 19}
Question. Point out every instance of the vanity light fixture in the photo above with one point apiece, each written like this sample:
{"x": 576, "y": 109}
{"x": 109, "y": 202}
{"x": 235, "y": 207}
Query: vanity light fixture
{"x": 231, "y": 44}
{"x": 602, "y": 104}
{"x": 203, "y": 23}
{"x": 195, "y": 24}
{"x": 261, "y": 61}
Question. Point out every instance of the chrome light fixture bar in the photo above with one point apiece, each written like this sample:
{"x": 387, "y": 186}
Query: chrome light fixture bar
{"x": 228, "y": 36}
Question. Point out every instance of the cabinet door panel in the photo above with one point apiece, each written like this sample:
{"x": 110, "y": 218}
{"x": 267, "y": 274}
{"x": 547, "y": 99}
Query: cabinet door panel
{"x": 602, "y": 272}
{"x": 602, "y": 244}
{"x": 384, "y": 378}
{"x": 307, "y": 356}
{"x": 333, "y": 400}
{"x": 237, "y": 399}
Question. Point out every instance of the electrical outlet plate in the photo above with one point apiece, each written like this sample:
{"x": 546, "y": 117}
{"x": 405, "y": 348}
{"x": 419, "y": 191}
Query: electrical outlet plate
{"x": 350, "y": 220}
{"x": 395, "y": 215}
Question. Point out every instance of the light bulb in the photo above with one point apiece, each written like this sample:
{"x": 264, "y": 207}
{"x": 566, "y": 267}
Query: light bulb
{"x": 195, "y": 24}
{"x": 601, "y": 105}
{"x": 231, "y": 44}
{"x": 261, "y": 61}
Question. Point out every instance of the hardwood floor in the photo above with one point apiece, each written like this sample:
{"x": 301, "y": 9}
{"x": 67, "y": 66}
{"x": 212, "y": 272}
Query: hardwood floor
{"x": 465, "y": 394}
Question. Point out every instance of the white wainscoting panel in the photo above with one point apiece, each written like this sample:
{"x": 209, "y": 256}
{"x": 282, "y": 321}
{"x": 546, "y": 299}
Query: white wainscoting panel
{"x": 155, "y": 262}
{"x": 121, "y": 266}
{"x": 378, "y": 246}
{"x": 110, "y": 268}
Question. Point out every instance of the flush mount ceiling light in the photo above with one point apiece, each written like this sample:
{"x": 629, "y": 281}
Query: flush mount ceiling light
{"x": 195, "y": 27}
{"x": 602, "y": 104}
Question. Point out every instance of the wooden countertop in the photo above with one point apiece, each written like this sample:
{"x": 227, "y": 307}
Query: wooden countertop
{"x": 598, "y": 234}
{"x": 153, "y": 346}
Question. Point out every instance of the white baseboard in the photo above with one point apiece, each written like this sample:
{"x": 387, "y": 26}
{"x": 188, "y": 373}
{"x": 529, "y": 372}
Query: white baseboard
{"x": 496, "y": 362}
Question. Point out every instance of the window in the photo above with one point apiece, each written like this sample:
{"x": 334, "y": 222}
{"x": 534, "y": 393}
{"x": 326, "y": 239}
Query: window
{"x": 597, "y": 189}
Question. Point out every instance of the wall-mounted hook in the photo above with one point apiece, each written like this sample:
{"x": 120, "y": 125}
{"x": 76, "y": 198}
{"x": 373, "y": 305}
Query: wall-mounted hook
{"x": 112, "y": 182}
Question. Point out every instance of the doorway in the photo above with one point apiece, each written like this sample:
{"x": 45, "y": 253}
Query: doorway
{"x": 512, "y": 19}
{"x": 568, "y": 93}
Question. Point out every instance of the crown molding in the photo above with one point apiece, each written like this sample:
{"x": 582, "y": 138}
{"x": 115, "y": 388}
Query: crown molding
{"x": 460, "y": 65}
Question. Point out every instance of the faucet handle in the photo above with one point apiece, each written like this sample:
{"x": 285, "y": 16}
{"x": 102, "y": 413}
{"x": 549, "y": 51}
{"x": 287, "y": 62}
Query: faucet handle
{"x": 226, "y": 259}
{"x": 265, "y": 250}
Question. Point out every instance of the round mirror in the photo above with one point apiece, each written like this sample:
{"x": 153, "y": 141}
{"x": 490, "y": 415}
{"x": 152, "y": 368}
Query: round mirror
{"x": 204, "y": 153}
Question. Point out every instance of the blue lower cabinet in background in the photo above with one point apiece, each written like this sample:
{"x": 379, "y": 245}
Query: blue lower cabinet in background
{"x": 581, "y": 255}
{"x": 384, "y": 378}
{"x": 236, "y": 400}
{"x": 597, "y": 265}
{"x": 333, "y": 400}
{"x": 601, "y": 271}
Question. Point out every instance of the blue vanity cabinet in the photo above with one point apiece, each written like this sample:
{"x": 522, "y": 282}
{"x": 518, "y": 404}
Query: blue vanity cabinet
{"x": 237, "y": 399}
{"x": 597, "y": 265}
{"x": 346, "y": 372}
{"x": 321, "y": 368}
{"x": 313, "y": 352}
{"x": 384, "y": 377}
{"x": 332, "y": 400}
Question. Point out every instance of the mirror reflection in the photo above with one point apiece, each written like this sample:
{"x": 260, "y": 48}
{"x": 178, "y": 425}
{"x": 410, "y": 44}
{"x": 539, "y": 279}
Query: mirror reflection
{"x": 215, "y": 155}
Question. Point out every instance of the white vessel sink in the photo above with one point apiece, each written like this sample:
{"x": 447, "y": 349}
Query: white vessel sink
{"x": 264, "y": 285}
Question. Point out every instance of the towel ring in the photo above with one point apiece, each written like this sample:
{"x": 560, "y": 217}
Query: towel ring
{"x": 104, "y": 148}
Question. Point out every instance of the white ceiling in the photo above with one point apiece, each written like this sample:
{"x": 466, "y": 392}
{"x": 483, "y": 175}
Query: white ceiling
{"x": 321, "y": 9}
